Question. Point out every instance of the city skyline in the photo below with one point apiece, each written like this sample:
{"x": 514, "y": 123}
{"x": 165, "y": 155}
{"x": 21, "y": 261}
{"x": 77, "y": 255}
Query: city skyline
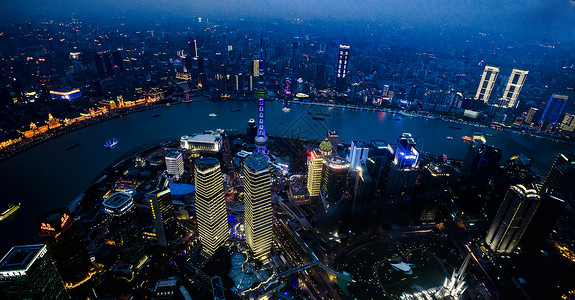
{"x": 224, "y": 150}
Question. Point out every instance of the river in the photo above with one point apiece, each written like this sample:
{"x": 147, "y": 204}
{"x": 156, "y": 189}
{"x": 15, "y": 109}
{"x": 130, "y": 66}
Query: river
{"x": 48, "y": 176}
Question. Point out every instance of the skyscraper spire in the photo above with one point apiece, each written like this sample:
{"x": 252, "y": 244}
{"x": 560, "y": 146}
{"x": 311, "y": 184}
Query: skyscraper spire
{"x": 261, "y": 93}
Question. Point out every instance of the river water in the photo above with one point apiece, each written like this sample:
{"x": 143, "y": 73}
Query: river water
{"x": 48, "y": 176}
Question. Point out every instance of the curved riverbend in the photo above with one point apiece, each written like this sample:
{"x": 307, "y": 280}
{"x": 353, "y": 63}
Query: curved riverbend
{"x": 51, "y": 174}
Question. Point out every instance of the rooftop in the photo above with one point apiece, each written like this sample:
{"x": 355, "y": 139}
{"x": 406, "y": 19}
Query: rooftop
{"x": 257, "y": 162}
{"x": 117, "y": 200}
{"x": 173, "y": 154}
{"x": 20, "y": 258}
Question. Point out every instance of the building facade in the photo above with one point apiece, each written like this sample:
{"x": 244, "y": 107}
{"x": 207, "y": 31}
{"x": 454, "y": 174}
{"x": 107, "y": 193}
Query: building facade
{"x": 210, "y": 204}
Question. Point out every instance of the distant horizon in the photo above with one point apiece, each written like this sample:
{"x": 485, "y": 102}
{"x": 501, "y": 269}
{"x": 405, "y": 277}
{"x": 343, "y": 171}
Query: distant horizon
{"x": 553, "y": 19}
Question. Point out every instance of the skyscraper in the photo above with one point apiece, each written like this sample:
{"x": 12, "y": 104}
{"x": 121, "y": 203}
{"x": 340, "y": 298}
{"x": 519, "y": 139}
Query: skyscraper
{"x": 175, "y": 164}
{"x": 193, "y": 48}
{"x": 333, "y": 179}
{"x": 358, "y": 154}
{"x": 258, "y": 205}
{"x": 118, "y": 62}
{"x": 361, "y": 191}
{"x": 314, "y": 172}
{"x": 513, "y": 88}
{"x": 261, "y": 93}
{"x": 99, "y": 64}
{"x": 108, "y": 64}
{"x": 210, "y": 204}
{"x": 332, "y": 192}
{"x": 557, "y": 191}
{"x": 402, "y": 174}
{"x": 163, "y": 214}
{"x": 512, "y": 219}
{"x": 124, "y": 226}
{"x": 65, "y": 245}
{"x": 552, "y": 112}
{"x": 485, "y": 164}
{"x": 486, "y": 85}
{"x": 433, "y": 184}
{"x": 342, "y": 62}
{"x": 28, "y": 272}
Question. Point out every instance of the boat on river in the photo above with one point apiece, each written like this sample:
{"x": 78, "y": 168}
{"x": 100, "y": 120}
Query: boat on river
{"x": 12, "y": 208}
{"x": 111, "y": 143}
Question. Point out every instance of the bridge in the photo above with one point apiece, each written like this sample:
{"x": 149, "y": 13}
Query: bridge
{"x": 331, "y": 271}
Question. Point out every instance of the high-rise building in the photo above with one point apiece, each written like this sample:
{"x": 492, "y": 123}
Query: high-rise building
{"x": 512, "y": 219}
{"x": 361, "y": 191}
{"x": 402, "y": 174}
{"x": 210, "y": 204}
{"x": 108, "y": 63}
{"x": 65, "y": 244}
{"x": 258, "y": 205}
{"x": 124, "y": 226}
{"x": 557, "y": 191}
{"x": 513, "y": 88}
{"x": 251, "y": 130}
{"x": 28, "y": 272}
{"x": 314, "y": 172}
{"x": 193, "y": 48}
{"x": 532, "y": 115}
{"x": 332, "y": 192}
{"x": 162, "y": 213}
{"x": 358, "y": 154}
{"x": 118, "y": 61}
{"x": 175, "y": 164}
{"x": 486, "y": 85}
{"x": 342, "y": 62}
{"x": 378, "y": 164}
{"x": 568, "y": 123}
{"x": 552, "y": 112}
{"x": 485, "y": 164}
{"x": 18, "y": 90}
{"x": 99, "y": 64}
{"x": 434, "y": 183}
{"x": 333, "y": 179}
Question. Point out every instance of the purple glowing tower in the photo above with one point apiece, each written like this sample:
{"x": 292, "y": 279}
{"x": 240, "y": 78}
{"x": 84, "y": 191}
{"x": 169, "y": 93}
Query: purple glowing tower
{"x": 261, "y": 94}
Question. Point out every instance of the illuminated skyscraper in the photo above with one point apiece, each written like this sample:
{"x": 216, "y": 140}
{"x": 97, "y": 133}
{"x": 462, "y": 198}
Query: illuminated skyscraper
{"x": 163, "y": 214}
{"x": 402, "y": 174}
{"x": 28, "y": 272}
{"x": 210, "y": 204}
{"x": 552, "y": 112}
{"x": 193, "y": 48}
{"x": 314, "y": 172}
{"x": 513, "y": 88}
{"x": 358, "y": 154}
{"x": 124, "y": 226}
{"x": 175, "y": 164}
{"x": 261, "y": 94}
{"x": 342, "y": 62}
{"x": 258, "y": 205}
{"x": 486, "y": 85}
{"x": 512, "y": 219}
{"x": 65, "y": 245}
{"x": 557, "y": 191}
